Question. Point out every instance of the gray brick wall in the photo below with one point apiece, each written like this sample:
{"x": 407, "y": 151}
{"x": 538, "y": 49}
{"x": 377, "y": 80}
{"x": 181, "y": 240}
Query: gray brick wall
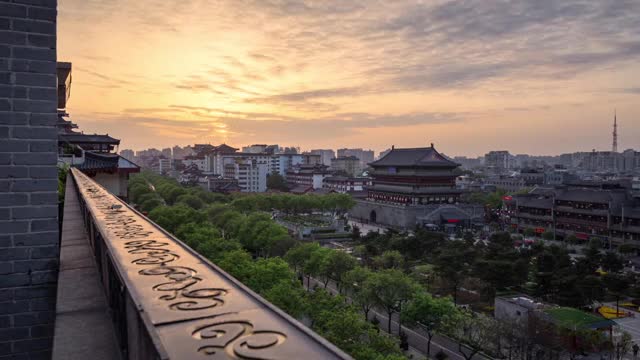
{"x": 28, "y": 178}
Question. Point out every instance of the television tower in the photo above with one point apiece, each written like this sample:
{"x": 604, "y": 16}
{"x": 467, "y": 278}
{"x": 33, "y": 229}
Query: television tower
{"x": 614, "y": 146}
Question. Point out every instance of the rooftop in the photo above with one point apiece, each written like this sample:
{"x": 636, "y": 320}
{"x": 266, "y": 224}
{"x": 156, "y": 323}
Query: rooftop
{"x": 79, "y": 138}
{"x": 415, "y": 157}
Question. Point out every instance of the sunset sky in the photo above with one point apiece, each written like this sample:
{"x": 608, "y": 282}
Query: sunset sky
{"x": 539, "y": 76}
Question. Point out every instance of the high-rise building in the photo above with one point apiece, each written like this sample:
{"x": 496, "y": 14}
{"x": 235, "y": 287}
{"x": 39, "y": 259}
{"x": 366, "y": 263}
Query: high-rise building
{"x": 325, "y": 155}
{"x": 179, "y": 153}
{"x": 250, "y": 174}
{"x": 164, "y": 166}
{"x": 498, "y": 161}
{"x": 614, "y": 145}
{"x": 365, "y": 156}
{"x": 128, "y": 154}
{"x": 347, "y": 165}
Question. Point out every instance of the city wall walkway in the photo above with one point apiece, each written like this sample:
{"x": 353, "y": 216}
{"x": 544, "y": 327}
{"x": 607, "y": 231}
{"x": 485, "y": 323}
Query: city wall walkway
{"x": 83, "y": 327}
{"x": 165, "y": 300}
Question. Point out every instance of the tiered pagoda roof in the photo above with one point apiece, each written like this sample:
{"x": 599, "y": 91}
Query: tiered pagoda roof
{"x": 415, "y": 157}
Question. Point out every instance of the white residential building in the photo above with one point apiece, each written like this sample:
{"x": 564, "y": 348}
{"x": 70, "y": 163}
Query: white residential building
{"x": 250, "y": 174}
{"x": 164, "y": 165}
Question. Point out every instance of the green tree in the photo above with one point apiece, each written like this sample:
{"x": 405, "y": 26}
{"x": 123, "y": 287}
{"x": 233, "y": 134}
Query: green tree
{"x": 269, "y": 272}
{"x": 626, "y": 249}
{"x": 612, "y": 262}
{"x": 276, "y": 181}
{"x": 356, "y": 281}
{"x": 423, "y": 274}
{"x": 355, "y": 233}
{"x": 239, "y": 264}
{"x": 318, "y": 265}
{"x": 499, "y": 264}
{"x": 339, "y": 263}
{"x": 195, "y": 234}
{"x": 288, "y": 297}
{"x": 173, "y": 193}
{"x": 63, "y": 170}
{"x": 151, "y": 204}
{"x": 477, "y": 332}
{"x": 571, "y": 239}
{"x": 622, "y": 345}
{"x": 137, "y": 190}
{"x": 206, "y": 240}
{"x": 453, "y": 264}
{"x": 391, "y": 289}
{"x": 299, "y": 255}
{"x": 432, "y": 314}
{"x": 171, "y": 217}
{"x": 190, "y": 200}
{"x": 391, "y": 259}
{"x": 617, "y": 285}
{"x": 149, "y": 196}
{"x": 588, "y": 264}
{"x": 591, "y": 288}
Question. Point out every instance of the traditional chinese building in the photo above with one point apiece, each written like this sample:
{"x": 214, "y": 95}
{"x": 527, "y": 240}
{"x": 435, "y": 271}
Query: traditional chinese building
{"x": 308, "y": 176}
{"x": 93, "y": 154}
{"x": 414, "y": 187}
{"x": 414, "y": 176}
{"x": 585, "y": 210}
{"x": 344, "y": 184}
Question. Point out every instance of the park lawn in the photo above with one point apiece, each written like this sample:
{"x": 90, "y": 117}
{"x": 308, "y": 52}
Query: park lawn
{"x": 574, "y": 318}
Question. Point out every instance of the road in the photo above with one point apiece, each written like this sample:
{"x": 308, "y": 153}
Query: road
{"x": 417, "y": 338}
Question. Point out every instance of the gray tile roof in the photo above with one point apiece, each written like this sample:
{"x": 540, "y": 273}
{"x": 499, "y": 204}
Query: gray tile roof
{"x": 415, "y": 157}
{"x": 87, "y": 139}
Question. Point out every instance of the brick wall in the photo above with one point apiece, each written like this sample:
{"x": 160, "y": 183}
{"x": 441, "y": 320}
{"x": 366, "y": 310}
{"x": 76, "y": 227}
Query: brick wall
{"x": 28, "y": 178}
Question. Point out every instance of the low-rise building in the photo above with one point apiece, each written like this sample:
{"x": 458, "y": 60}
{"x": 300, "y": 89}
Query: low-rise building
{"x": 223, "y": 185}
{"x": 345, "y": 184}
{"x": 585, "y": 210}
{"x": 307, "y": 175}
{"x": 559, "y": 177}
{"x": 198, "y": 161}
{"x": 548, "y": 323}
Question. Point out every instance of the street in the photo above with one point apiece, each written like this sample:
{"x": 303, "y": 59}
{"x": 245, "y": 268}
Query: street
{"x": 417, "y": 338}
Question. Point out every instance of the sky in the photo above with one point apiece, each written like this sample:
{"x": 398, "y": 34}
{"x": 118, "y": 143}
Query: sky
{"x": 539, "y": 77}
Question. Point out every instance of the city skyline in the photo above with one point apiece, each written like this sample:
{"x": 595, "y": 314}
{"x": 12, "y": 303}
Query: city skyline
{"x": 470, "y": 77}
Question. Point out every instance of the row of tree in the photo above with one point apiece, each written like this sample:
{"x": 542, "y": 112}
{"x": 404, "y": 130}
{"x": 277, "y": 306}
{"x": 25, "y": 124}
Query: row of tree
{"x": 246, "y": 244}
{"x": 392, "y": 277}
{"x": 293, "y": 204}
{"x": 549, "y": 272}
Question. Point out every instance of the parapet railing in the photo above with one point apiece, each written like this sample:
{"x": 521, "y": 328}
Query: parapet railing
{"x": 169, "y": 302}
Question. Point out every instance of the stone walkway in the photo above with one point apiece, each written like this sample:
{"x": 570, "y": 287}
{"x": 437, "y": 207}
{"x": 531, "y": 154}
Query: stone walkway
{"x": 83, "y": 328}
